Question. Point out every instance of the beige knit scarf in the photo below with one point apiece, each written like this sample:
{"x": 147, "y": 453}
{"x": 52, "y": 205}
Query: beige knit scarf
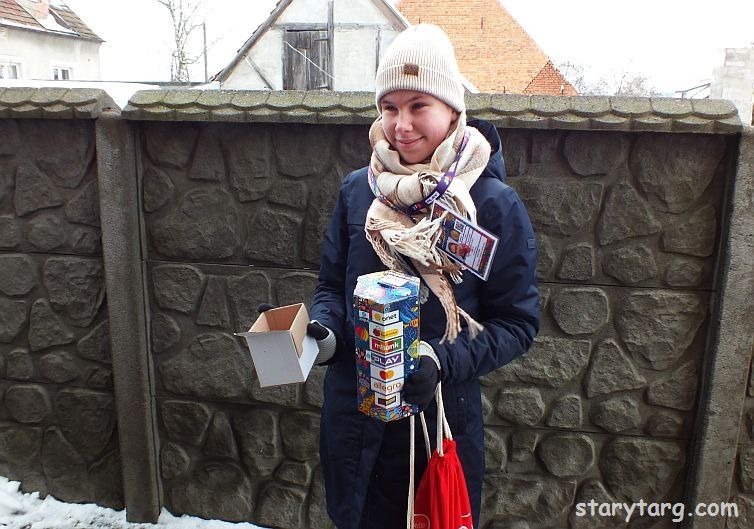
{"x": 398, "y": 238}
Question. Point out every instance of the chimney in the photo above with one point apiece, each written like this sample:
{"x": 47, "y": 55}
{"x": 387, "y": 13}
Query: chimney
{"x": 43, "y": 8}
{"x": 39, "y": 9}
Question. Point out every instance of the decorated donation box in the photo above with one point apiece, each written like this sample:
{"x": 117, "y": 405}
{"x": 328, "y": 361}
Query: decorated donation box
{"x": 386, "y": 319}
{"x": 281, "y": 350}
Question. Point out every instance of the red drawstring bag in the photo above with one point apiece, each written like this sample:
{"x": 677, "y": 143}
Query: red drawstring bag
{"x": 442, "y": 499}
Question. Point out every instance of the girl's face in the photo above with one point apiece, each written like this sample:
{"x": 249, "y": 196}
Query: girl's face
{"x": 415, "y": 123}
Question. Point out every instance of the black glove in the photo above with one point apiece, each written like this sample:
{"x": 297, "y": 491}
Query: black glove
{"x": 420, "y": 387}
{"x": 324, "y": 336}
{"x": 264, "y": 307}
{"x": 317, "y": 331}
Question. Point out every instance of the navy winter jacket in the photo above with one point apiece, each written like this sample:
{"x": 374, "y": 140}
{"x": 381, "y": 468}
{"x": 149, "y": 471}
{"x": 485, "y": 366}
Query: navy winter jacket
{"x": 354, "y": 448}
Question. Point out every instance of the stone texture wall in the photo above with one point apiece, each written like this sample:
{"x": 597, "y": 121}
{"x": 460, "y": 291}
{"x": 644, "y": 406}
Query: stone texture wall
{"x": 631, "y": 202}
{"x": 57, "y": 420}
{"x": 603, "y": 406}
{"x": 240, "y": 195}
{"x": 742, "y": 490}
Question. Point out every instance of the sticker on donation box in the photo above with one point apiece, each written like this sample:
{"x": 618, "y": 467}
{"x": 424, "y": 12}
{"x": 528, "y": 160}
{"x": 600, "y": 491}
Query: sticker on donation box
{"x": 386, "y": 374}
{"x": 386, "y": 332}
{"x": 387, "y": 318}
{"x": 387, "y": 401}
{"x": 464, "y": 242}
{"x": 385, "y": 360}
{"x": 380, "y": 386}
{"x": 383, "y": 348}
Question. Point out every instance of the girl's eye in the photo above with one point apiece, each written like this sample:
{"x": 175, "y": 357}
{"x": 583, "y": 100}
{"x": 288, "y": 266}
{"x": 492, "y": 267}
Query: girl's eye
{"x": 418, "y": 106}
{"x": 388, "y": 109}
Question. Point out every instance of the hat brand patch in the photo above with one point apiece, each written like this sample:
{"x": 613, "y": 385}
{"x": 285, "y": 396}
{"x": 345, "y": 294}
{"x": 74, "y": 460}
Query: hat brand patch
{"x": 411, "y": 69}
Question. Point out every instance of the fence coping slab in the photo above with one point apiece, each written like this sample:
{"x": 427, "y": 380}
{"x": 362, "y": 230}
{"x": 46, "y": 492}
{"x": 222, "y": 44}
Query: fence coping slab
{"x": 55, "y": 103}
{"x": 638, "y": 114}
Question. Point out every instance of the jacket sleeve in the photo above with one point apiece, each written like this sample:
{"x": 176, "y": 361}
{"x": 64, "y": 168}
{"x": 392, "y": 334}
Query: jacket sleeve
{"x": 328, "y": 302}
{"x": 508, "y": 300}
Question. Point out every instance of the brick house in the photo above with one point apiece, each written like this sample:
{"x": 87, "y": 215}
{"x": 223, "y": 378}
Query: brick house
{"x": 494, "y": 52}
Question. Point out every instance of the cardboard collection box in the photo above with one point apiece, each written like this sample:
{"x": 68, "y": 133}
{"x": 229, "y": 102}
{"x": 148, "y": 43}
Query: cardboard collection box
{"x": 281, "y": 350}
{"x": 386, "y": 319}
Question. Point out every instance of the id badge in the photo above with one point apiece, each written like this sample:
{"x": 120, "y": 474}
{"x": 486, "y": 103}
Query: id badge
{"x": 464, "y": 242}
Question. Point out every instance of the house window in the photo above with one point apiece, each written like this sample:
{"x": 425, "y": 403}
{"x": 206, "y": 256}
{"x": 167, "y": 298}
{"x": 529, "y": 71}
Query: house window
{"x": 306, "y": 60}
{"x": 60, "y": 73}
{"x": 10, "y": 70}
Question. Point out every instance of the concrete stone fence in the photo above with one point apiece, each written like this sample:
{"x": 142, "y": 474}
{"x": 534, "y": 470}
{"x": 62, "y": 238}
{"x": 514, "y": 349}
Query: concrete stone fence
{"x": 134, "y": 242}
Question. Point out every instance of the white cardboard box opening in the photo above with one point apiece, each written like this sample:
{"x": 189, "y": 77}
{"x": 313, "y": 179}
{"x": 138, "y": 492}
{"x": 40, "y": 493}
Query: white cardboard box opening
{"x": 281, "y": 350}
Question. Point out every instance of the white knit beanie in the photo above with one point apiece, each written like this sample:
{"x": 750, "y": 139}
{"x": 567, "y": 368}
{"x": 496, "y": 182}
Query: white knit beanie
{"x": 421, "y": 58}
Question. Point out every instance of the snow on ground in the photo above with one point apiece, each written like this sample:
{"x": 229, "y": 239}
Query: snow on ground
{"x": 27, "y": 511}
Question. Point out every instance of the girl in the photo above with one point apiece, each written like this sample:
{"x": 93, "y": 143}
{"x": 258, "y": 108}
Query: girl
{"x": 469, "y": 326}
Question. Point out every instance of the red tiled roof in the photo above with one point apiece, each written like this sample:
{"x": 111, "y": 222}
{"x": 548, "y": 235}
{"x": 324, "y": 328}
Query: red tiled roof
{"x": 549, "y": 81}
{"x": 494, "y": 52}
{"x": 12, "y": 12}
{"x": 66, "y": 17}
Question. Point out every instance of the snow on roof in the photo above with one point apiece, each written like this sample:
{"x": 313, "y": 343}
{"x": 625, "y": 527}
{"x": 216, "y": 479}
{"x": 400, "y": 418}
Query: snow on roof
{"x": 72, "y": 20}
{"x": 51, "y": 24}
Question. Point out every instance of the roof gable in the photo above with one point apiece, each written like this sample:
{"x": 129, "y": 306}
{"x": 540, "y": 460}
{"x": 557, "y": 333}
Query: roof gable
{"x": 10, "y": 11}
{"x": 303, "y": 12}
{"x": 65, "y": 20}
{"x": 493, "y": 50}
{"x": 68, "y": 18}
{"x": 390, "y": 13}
{"x": 549, "y": 81}
{"x": 255, "y": 36}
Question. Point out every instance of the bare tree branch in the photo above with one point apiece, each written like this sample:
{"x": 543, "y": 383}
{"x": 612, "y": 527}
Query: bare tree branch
{"x": 620, "y": 83}
{"x": 184, "y": 15}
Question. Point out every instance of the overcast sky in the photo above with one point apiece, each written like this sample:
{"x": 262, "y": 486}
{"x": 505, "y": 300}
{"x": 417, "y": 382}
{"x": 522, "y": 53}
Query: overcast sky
{"x": 675, "y": 43}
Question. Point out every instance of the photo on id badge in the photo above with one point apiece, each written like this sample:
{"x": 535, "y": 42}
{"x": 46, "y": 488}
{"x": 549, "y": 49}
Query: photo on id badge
{"x": 465, "y": 242}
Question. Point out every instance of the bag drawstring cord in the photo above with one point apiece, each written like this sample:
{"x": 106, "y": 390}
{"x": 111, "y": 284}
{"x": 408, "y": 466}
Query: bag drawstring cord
{"x": 443, "y": 427}
{"x": 410, "y": 508}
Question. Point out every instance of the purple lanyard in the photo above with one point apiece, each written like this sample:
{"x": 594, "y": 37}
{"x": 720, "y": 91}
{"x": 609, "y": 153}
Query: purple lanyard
{"x": 442, "y": 185}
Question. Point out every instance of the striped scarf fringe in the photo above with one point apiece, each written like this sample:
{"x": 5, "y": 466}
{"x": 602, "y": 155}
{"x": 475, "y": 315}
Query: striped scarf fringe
{"x": 398, "y": 240}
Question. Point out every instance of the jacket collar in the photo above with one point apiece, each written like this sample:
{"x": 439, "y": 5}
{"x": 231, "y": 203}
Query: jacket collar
{"x": 496, "y": 166}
